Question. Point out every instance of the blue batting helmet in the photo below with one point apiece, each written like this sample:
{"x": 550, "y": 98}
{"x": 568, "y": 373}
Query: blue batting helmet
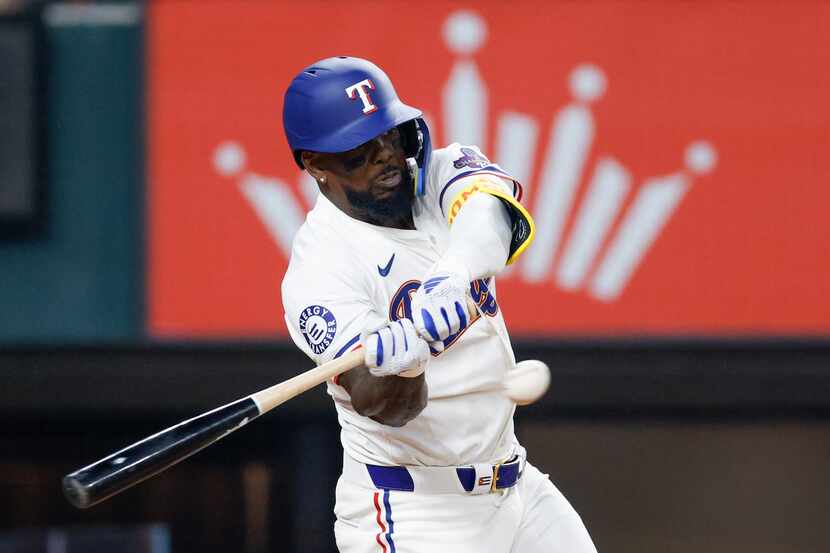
{"x": 337, "y": 104}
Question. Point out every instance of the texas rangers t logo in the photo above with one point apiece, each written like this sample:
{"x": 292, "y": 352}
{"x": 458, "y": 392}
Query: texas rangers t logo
{"x": 362, "y": 90}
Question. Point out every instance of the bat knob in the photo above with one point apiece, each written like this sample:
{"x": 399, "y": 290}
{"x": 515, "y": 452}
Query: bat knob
{"x": 75, "y": 492}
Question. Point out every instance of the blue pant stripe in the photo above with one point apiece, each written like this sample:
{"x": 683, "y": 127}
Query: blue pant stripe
{"x": 389, "y": 522}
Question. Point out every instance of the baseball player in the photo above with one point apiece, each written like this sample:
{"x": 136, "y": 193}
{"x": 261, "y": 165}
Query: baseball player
{"x": 398, "y": 256}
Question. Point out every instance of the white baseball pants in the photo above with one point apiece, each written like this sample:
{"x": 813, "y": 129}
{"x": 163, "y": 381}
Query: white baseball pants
{"x": 531, "y": 517}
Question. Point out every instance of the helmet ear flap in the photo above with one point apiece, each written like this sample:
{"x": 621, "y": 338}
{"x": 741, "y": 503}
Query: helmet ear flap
{"x": 411, "y": 138}
{"x": 417, "y": 148}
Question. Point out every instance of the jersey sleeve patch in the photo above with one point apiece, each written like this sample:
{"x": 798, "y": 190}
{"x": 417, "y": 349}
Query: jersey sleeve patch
{"x": 523, "y": 227}
{"x": 470, "y": 158}
{"x": 318, "y": 326}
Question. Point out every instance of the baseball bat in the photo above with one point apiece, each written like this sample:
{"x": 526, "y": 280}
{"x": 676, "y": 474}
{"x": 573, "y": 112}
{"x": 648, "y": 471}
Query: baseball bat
{"x": 141, "y": 460}
{"x": 135, "y": 463}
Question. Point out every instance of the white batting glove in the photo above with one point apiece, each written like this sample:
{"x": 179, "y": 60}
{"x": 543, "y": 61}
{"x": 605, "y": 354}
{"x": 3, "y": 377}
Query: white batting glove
{"x": 439, "y": 306}
{"x": 396, "y": 349}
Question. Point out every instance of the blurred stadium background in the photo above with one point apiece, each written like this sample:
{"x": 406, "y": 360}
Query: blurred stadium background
{"x": 673, "y": 153}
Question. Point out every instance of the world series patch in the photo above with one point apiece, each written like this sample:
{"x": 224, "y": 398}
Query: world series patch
{"x": 470, "y": 158}
{"x": 318, "y": 326}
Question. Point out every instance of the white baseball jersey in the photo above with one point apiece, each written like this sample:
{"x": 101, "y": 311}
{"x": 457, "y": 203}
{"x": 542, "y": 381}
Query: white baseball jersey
{"x": 346, "y": 275}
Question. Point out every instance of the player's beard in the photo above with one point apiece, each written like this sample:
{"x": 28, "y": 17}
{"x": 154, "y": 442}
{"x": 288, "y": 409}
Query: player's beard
{"x": 395, "y": 207}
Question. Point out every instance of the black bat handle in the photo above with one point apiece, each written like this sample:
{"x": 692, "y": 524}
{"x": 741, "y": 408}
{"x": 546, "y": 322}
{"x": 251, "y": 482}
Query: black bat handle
{"x": 123, "y": 469}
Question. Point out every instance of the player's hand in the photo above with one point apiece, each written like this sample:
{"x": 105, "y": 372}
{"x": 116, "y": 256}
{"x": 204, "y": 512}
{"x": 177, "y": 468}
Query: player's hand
{"x": 395, "y": 349}
{"x": 439, "y": 306}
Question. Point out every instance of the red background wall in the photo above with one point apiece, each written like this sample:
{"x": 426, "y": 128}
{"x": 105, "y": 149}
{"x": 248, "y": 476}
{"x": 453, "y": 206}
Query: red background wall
{"x": 744, "y": 253}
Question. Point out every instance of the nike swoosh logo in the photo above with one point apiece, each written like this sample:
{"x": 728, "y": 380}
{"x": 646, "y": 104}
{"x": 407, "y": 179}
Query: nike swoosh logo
{"x": 385, "y": 270}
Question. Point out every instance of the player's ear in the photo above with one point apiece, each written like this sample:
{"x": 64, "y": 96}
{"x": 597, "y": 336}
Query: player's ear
{"x": 311, "y": 161}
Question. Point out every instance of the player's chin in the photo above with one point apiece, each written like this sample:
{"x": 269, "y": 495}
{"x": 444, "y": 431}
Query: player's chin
{"x": 394, "y": 208}
{"x": 394, "y": 201}
{"x": 383, "y": 194}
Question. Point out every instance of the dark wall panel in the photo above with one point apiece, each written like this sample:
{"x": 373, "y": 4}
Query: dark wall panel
{"x": 19, "y": 118}
{"x": 80, "y": 279}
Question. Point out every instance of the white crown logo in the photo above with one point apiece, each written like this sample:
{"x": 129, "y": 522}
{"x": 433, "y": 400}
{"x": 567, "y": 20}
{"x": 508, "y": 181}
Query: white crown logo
{"x": 582, "y": 263}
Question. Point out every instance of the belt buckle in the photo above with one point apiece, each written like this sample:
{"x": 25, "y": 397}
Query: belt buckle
{"x": 493, "y": 484}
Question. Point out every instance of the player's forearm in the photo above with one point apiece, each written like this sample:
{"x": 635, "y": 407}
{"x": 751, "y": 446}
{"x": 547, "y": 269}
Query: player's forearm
{"x": 480, "y": 236}
{"x": 389, "y": 400}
